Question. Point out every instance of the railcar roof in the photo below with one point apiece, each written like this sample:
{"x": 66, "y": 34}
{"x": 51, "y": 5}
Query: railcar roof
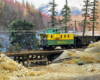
{"x": 51, "y": 33}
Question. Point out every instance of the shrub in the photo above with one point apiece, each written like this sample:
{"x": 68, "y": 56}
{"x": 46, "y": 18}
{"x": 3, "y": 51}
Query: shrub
{"x": 71, "y": 61}
{"x": 70, "y": 54}
{"x": 79, "y": 60}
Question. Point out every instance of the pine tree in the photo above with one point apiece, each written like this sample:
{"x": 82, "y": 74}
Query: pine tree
{"x": 32, "y": 10}
{"x": 94, "y": 15}
{"x": 85, "y": 14}
{"x": 19, "y": 12}
{"x": 53, "y": 19}
{"x": 2, "y": 13}
{"x": 66, "y": 14}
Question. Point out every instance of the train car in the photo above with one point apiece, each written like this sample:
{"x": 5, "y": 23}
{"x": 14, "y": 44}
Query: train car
{"x": 52, "y": 38}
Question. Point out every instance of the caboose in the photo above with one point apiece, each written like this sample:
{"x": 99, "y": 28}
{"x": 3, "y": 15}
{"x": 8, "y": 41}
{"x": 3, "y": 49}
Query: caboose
{"x": 53, "y": 38}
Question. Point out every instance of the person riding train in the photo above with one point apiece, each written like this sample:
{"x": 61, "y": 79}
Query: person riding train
{"x": 43, "y": 40}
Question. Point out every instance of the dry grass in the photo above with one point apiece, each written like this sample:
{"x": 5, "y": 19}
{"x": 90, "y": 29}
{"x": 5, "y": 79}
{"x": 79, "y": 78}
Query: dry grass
{"x": 92, "y": 69}
{"x": 64, "y": 62}
{"x": 71, "y": 54}
{"x": 91, "y": 45}
{"x": 98, "y": 54}
{"x": 73, "y": 61}
{"x": 83, "y": 57}
{"x": 90, "y": 61}
{"x": 4, "y": 77}
{"x": 97, "y": 60}
{"x": 65, "y": 69}
{"x": 31, "y": 73}
{"x": 8, "y": 66}
{"x": 2, "y": 60}
{"x": 95, "y": 49}
{"x": 41, "y": 73}
{"x": 11, "y": 62}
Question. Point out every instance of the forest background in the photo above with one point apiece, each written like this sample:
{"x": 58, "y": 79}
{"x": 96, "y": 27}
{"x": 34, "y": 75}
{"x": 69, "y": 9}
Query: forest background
{"x": 11, "y": 10}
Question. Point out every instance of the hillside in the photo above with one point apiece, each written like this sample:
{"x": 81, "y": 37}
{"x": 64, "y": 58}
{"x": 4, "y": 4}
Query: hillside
{"x": 11, "y": 10}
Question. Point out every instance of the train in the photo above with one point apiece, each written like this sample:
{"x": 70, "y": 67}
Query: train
{"x": 52, "y": 37}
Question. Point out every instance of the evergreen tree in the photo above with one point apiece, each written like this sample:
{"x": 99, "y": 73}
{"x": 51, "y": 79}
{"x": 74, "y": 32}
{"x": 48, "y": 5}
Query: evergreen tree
{"x": 19, "y": 12}
{"x": 86, "y": 14}
{"x": 2, "y": 13}
{"x": 6, "y": 14}
{"x": 66, "y": 14}
{"x": 53, "y": 19}
{"x": 23, "y": 38}
{"x": 94, "y": 15}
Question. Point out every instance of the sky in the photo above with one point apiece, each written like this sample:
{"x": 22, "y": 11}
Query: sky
{"x": 60, "y": 3}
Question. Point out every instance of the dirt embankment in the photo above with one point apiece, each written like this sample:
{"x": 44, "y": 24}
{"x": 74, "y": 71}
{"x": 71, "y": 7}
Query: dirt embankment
{"x": 66, "y": 70}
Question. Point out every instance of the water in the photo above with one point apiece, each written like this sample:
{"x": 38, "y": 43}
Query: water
{"x": 4, "y": 44}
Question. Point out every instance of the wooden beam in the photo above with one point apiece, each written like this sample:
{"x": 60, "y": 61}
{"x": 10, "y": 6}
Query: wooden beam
{"x": 23, "y": 60}
{"x": 37, "y": 53}
{"x": 28, "y": 63}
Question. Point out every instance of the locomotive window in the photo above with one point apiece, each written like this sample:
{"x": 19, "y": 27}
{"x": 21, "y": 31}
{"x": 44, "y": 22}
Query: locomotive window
{"x": 61, "y": 36}
{"x": 64, "y": 36}
{"x": 68, "y": 36}
{"x": 51, "y": 36}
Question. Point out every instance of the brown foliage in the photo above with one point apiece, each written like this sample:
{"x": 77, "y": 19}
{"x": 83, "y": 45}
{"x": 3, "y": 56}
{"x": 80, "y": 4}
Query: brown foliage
{"x": 70, "y": 54}
{"x": 32, "y": 73}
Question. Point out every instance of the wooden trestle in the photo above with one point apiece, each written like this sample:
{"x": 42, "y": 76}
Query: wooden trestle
{"x": 33, "y": 56}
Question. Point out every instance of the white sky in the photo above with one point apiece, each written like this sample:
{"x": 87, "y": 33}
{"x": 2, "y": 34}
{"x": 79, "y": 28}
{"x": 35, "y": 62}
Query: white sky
{"x": 61, "y": 3}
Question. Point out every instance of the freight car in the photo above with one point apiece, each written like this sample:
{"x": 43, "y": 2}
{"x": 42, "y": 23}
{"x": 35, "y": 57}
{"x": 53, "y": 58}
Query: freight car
{"x": 52, "y": 38}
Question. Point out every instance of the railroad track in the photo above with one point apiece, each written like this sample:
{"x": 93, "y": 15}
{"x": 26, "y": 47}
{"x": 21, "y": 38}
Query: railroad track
{"x": 67, "y": 59}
